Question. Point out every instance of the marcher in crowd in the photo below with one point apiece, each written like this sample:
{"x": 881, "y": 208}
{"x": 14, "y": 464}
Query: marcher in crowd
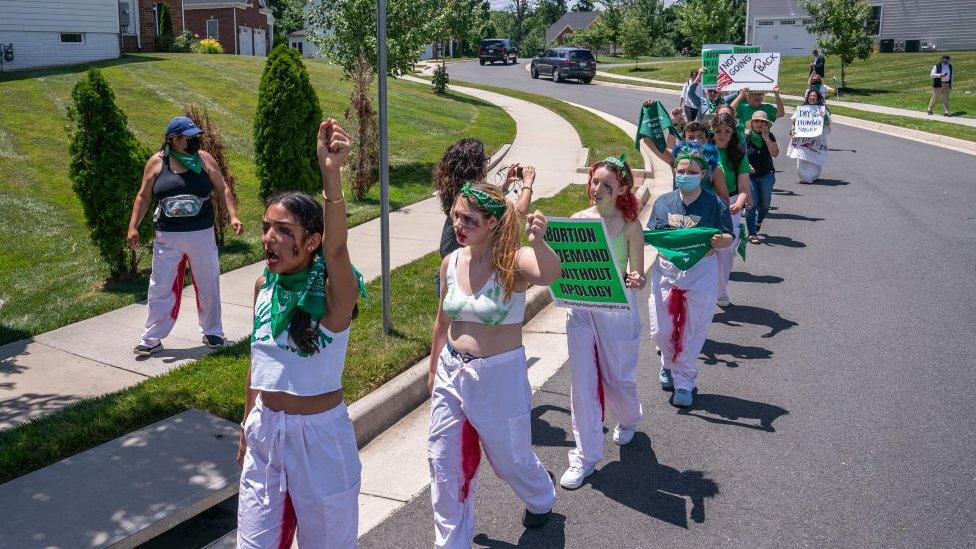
{"x": 761, "y": 148}
{"x": 941, "y": 84}
{"x": 810, "y": 152}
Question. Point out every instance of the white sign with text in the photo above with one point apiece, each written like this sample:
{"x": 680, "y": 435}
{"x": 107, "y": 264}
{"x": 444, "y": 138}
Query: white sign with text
{"x": 756, "y": 71}
{"x": 809, "y": 121}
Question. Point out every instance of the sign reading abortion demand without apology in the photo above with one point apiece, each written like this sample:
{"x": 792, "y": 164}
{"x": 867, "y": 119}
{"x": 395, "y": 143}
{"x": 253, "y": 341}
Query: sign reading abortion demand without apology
{"x": 589, "y": 277}
{"x": 809, "y": 121}
{"x": 756, "y": 71}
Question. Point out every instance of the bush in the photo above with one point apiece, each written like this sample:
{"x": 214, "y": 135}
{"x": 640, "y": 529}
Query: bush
{"x": 664, "y": 47}
{"x": 440, "y": 80}
{"x": 207, "y": 45}
{"x": 212, "y": 142}
{"x": 286, "y": 126}
{"x": 184, "y": 42}
{"x": 164, "y": 40}
{"x": 106, "y": 169}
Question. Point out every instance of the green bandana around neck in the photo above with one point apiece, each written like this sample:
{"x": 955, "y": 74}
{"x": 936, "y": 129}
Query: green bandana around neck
{"x": 654, "y": 120}
{"x": 756, "y": 138}
{"x": 683, "y": 247}
{"x": 193, "y": 162}
{"x": 303, "y": 290}
{"x": 489, "y": 204}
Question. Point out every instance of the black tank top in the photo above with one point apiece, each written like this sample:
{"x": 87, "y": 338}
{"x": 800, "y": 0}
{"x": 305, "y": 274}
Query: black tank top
{"x": 172, "y": 184}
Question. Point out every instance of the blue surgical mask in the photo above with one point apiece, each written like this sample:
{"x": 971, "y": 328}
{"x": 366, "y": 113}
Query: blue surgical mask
{"x": 687, "y": 182}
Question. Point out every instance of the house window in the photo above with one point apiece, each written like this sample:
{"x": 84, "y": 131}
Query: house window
{"x": 787, "y": 22}
{"x": 72, "y": 37}
{"x": 874, "y": 21}
{"x": 213, "y": 29}
{"x": 764, "y": 23}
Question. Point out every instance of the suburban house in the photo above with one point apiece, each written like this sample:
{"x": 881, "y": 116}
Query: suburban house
{"x": 138, "y": 22}
{"x": 571, "y": 21}
{"x": 899, "y": 25}
{"x": 36, "y": 33}
{"x": 299, "y": 40}
{"x": 243, "y": 27}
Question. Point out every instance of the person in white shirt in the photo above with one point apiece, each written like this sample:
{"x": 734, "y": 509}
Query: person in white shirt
{"x": 690, "y": 99}
{"x": 941, "y": 84}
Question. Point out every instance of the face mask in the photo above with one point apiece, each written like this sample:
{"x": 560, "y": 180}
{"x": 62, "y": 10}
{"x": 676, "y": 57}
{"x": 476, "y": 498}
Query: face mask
{"x": 687, "y": 182}
{"x": 192, "y": 145}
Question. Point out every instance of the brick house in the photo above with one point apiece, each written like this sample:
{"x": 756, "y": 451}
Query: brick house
{"x": 243, "y": 27}
{"x": 139, "y": 22}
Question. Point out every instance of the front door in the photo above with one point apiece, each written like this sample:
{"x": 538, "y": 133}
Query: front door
{"x": 260, "y": 44}
{"x": 246, "y": 41}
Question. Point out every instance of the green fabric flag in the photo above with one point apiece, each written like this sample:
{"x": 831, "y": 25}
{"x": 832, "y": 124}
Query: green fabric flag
{"x": 742, "y": 241}
{"x": 653, "y": 122}
{"x": 193, "y": 162}
{"x": 683, "y": 247}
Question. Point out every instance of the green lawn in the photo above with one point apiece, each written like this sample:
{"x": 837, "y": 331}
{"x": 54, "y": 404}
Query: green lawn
{"x": 613, "y": 59}
{"x": 891, "y": 79}
{"x": 51, "y": 275}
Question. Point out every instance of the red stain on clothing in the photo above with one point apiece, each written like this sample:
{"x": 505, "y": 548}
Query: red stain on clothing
{"x": 288, "y": 524}
{"x": 678, "y": 309}
{"x": 599, "y": 382}
{"x": 178, "y": 285}
{"x": 470, "y": 456}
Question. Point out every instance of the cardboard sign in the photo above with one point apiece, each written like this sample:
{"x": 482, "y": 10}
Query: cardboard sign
{"x": 589, "y": 278}
{"x": 809, "y": 121}
{"x": 710, "y": 62}
{"x": 756, "y": 71}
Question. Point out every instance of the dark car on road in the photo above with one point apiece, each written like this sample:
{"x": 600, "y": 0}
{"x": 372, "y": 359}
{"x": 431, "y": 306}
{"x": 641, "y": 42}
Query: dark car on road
{"x": 562, "y": 63}
{"x": 497, "y": 49}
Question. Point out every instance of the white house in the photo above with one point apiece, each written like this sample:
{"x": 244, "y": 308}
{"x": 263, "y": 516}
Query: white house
{"x": 56, "y": 32}
{"x": 299, "y": 41}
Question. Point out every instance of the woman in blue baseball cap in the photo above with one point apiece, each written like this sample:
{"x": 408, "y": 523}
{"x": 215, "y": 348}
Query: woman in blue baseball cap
{"x": 181, "y": 177}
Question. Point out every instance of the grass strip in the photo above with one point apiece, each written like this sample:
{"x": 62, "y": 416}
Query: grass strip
{"x": 216, "y": 383}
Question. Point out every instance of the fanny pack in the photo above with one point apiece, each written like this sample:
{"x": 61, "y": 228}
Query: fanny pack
{"x": 181, "y": 205}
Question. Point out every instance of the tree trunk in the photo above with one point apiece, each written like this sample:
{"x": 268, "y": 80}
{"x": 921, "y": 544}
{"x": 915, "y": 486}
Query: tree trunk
{"x": 843, "y": 82}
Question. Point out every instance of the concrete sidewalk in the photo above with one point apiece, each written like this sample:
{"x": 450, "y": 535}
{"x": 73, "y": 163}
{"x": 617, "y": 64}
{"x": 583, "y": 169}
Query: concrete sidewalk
{"x": 867, "y": 107}
{"x": 94, "y": 356}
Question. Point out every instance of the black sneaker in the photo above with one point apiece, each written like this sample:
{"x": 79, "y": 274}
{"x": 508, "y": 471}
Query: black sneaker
{"x": 214, "y": 342}
{"x": 142, "y": 350}
{"x": 532, "y": 520}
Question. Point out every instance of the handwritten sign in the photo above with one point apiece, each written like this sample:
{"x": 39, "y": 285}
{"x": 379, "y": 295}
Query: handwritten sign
{"x": 710, "y": 62}
{"x": 809, "y": 121}
{"x": 756, "y": 71}
{"x": 589, "y": 277}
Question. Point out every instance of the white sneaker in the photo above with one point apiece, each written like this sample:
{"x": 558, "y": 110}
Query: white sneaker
{"x": 574, "y": 476}
{"x": 723, "y": 302}
{"x": 622, "y": 435}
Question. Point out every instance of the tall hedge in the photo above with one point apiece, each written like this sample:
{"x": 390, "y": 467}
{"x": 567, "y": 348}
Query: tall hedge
{"x": 106, "y": 169}
{"x": 164, "y": 40}
{"x": 286, "y": 126}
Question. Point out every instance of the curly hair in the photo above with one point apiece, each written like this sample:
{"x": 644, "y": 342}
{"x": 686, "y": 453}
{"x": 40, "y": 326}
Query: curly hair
{"x": 734, "y": 148}
{"x": 627, "y": 201}
{"x": 463, "y": 161}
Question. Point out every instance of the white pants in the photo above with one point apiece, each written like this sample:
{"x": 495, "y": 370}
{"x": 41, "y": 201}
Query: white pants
{"x": 491, "y": 399}
{"x": 726, "y": 256}
{"x": 808, "y": 171}
{"x": 689, "y": 295}
{"x": 299, "y": 471}
{"x": 172, "y": 253}
{"x": 603, "y": 348}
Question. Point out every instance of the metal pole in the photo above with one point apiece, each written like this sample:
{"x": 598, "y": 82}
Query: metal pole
{"x": 384, "y": 167}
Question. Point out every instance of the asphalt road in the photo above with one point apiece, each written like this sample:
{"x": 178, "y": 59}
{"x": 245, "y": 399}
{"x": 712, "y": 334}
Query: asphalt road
{"x": 837, "y": 402}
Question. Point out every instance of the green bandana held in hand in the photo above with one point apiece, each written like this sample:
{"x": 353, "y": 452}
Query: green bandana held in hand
{"x": 742, "y": 241}
{"x": 193, "y": 162}
{"x": 489, "y": 204}
{"x": 683, "y": 247}
{"x": 653, "y": 122}
{"x": 303, "y": 290}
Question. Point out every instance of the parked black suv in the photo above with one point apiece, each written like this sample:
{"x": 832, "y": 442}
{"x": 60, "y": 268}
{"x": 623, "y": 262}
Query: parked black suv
{"x": 562, "y": 63}
{"x": 497, "y": 49}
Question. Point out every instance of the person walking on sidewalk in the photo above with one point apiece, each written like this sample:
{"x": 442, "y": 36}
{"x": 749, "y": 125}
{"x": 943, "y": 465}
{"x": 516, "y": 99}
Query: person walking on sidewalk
{"x": 818, "y": 65}
{"x": 682, "y": 301}
{"x": 466, "y": 160}
{"x": 761, "y": 148}
{"x": 735, "y": 167}
{"x": 941, "y": 84}
{"x": 181, "y": 178}
{"x": 301, "y": 468}
{"x": 478, "y": 376}
{"x": 603, "y": 345}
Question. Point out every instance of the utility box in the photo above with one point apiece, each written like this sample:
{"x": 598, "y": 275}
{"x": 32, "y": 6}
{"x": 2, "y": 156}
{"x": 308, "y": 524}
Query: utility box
{"x": 887, "y": 45}
{"x": 913, "y": 46}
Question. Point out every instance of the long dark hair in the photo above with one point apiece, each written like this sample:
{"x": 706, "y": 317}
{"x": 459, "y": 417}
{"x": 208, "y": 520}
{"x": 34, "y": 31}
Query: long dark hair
{"x": 734, "y": 148}
{"x": 463, "y": 161}
{"x": 308, "y": 213}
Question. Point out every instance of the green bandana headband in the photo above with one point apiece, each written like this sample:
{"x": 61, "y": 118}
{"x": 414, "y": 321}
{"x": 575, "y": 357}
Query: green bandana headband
{"x": 489, "y": 204}
{"x": 620, "y": 163}
{"x": 193, "y": 162}
{"x": 689, "y": 155}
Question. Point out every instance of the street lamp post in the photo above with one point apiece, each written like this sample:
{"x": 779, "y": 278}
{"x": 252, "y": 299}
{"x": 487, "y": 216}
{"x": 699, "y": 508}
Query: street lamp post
{"x": 384, "y": 166}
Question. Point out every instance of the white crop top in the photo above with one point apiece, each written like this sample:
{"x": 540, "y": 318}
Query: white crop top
{"x": 486, "y": 306}
{"x": 279, "y": 365}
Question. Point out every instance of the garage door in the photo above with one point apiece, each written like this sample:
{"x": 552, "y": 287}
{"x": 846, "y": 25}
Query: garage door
{"x": 260, "y": 46}
{"x": 787, "y": 36}
{"x": 246, "y": 41}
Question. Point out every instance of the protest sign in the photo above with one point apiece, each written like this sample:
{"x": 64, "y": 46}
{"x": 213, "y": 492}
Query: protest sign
{"x": 809, "y": 121}
{"x": 745, "y": 49}
{"x": 710, "y": 62}
{"x": 756, "y": 71}
{"x": 589, "y": 277}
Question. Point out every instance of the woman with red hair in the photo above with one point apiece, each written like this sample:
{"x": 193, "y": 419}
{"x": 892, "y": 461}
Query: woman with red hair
{"x": 603, "y": 345}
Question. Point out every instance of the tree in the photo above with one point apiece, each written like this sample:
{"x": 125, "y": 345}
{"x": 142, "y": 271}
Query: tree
{"x": 611, "y": 18}
{"x": 458, "y": 20}
{"x": 841, "y": 27}
{"x": 289, "y": 16}
{"x": 164, "y": 39}
{"x": 549, "y": 11}
{"x": 592, "y": 38}
{"x": 286, "y": 126}
{"x": 350, "y": 42}
{"x": 521, "y": 10}
{"x": 105, "y": 169}
{"x": 636, "y": 38}
{"x": 213, "y": 142}
{"x": 716, "y": 21}
{"x": 583, "y": 5}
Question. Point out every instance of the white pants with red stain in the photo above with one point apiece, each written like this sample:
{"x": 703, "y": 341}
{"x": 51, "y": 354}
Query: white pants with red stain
{"x": 726, "y": 256}
{"x": 693, "y": 292}
{"x": 603, "y": 347}
{"x": 173, "y": 252}
{"x": 300, "y": 472}
{"x": 491, "y": 399}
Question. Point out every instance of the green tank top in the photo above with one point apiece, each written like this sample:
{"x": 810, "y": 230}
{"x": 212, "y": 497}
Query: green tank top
{"x": 620, "y": 250}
